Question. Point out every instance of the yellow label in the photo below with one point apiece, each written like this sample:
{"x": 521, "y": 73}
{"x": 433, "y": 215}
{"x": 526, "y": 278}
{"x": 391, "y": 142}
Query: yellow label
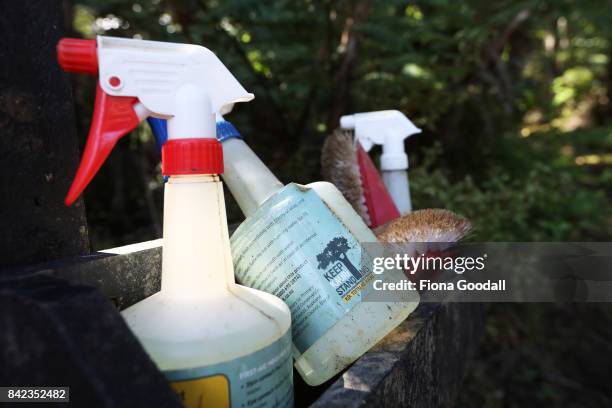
{"x": 206, "y": 392}
{"x": 358, "y": 288}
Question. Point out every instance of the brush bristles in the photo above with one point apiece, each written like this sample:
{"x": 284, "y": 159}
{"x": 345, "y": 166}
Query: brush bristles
{"x": 339, "y": 167}
{"x": 429, "y": 225}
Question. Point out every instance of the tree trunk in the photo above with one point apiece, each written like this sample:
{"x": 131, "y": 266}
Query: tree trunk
{"x": 38, "y": 148}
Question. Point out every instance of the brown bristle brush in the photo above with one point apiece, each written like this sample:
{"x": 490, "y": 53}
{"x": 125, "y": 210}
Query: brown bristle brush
{"x": 339, "y": 167}
{"x": 429, "y": 232}
{"x": 348, "y": 166}
{"x": 428, "y": 225}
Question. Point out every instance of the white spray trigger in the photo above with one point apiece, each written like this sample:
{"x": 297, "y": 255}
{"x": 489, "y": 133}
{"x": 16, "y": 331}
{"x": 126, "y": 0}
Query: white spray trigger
{"x": 155, "y": 71}
{"x": 388, "y": 128}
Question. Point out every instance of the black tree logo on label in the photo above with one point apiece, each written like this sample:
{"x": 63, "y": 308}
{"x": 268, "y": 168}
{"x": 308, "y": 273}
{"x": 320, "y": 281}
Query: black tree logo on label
{"x": 336, "y": 250}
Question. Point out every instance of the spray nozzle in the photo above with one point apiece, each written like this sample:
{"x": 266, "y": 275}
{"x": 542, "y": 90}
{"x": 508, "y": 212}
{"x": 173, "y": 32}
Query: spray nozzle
{"x": 140, "y": 79}
{"x": 387, "y": 128}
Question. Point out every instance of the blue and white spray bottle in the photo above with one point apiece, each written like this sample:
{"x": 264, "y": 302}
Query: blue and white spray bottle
{"x": 304, "y": 244}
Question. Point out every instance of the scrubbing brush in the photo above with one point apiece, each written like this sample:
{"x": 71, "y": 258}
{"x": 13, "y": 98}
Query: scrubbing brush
{"x": 429, "y": 232}
{"x": 345, "y": 164}
{"x": 339, "y": 167}
{"x": 339, "y": 163}
{"x": 428, "y": 225}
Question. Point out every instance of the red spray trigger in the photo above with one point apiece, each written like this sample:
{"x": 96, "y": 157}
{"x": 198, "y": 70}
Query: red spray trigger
{"x": 113, "y": 118}
{"x": 141, "y": 78}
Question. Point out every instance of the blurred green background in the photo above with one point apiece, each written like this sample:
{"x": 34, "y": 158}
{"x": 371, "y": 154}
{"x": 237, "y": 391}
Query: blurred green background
{"x": 513, "y": 100}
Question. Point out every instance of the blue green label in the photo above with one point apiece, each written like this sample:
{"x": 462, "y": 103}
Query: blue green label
{"x": 260, "y": 379}
{"x": 295, "y": 248}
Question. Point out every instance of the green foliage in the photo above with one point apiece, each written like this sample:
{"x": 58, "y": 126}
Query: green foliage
{"x": 546, "y": 202}
{"x": 477, "y": 76}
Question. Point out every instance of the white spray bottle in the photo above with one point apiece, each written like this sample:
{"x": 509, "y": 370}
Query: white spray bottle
{"x": 389, "y": 129}
{"x": 217, "y": 342}
{"x": 304, "y": 244}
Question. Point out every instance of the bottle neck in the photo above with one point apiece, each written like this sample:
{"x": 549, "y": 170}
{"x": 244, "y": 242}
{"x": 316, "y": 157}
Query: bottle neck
{"x": 249, "y": 180}
{"x": 196, "y": 257}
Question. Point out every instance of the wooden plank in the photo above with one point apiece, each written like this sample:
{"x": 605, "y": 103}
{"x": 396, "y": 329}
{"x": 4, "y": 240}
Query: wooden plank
{"x": 126, "y": 278}
{"x": 420, "y": 363}
{"x": 125, "y": 275}
{"x": 60, "y": 333}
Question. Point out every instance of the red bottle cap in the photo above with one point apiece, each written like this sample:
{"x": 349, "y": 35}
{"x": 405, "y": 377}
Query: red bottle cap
{"x": 77, "y": 55}
{"x": 192, "y": 156}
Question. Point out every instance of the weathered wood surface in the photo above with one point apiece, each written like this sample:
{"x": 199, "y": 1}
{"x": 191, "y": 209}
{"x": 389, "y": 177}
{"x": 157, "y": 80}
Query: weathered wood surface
{"x": 421, "y": 363}
{"x": 60, "y": 333}
{"x": 125, "y": 279}
{"x": 38, "y": 143}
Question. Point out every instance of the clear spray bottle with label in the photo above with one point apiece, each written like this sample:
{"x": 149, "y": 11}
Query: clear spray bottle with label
{"x": 303, "y": 243}
{"x": 217, "y": 342}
